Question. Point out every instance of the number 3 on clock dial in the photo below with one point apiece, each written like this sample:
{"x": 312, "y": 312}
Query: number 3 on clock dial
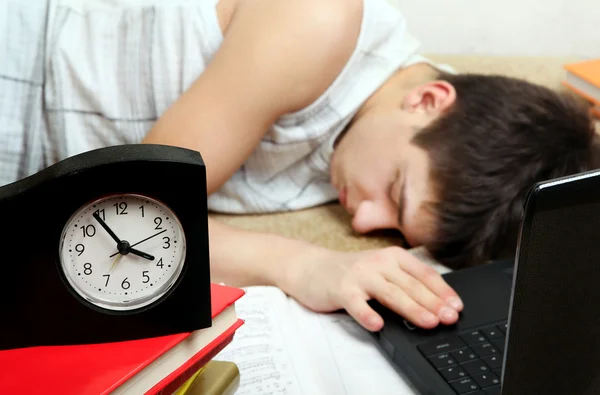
{"x": 122, "y": 252}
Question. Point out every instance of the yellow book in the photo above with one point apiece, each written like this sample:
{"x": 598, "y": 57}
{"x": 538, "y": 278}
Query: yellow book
{"x": 215, "y": 378}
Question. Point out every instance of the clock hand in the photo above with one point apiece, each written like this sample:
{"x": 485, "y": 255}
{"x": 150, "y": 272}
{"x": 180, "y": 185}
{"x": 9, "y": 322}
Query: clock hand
{"x": 115, "y": 263}
{"x": 148, "y": 238}
{"x": 124, "y": 248}
{"x": 141, "y": 241}
{"x": 110, "y": 232}
{"x": 140, "y": 253}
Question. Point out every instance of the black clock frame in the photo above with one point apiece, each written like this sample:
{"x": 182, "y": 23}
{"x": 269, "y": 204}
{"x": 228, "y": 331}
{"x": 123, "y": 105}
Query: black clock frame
{"x": 38, "y": 306}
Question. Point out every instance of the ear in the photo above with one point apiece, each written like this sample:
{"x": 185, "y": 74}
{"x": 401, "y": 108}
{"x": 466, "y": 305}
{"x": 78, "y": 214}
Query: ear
{"x": 431, "y": 98}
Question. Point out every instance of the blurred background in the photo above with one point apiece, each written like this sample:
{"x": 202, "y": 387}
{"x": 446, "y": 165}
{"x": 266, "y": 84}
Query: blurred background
{"x": 509, "y": 27}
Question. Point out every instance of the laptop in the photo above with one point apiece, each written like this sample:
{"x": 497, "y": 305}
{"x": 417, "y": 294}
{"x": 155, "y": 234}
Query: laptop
{"x": 530, "y": 325}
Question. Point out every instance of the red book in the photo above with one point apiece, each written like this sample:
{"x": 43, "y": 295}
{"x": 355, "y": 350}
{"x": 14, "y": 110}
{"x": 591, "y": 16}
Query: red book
{"x": 152, "y": 366}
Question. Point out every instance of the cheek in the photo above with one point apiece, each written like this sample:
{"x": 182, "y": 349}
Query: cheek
{"x": 418, "y": 227}
{"x": 371, "y": 183}
{"x": 412, "y": 237}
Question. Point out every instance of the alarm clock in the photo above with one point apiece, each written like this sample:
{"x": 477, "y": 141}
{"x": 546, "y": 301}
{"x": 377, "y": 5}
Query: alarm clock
{"x": 128, "y": 269}
{"x": 108, "y": 245}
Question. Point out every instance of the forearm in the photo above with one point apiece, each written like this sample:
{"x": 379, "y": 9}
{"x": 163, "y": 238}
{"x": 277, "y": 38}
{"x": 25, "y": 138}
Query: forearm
{"x": 243, "y": 258}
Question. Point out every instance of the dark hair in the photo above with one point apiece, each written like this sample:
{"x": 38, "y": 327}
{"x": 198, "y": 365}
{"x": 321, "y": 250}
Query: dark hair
{"x": 500, "y": 137}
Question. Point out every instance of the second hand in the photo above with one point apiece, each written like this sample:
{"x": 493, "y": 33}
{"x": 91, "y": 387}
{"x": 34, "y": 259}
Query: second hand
{"x": 115, "y": 262}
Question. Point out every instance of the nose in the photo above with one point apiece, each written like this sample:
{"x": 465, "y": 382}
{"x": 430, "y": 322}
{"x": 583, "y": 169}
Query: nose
{"x": 370, "y": 216}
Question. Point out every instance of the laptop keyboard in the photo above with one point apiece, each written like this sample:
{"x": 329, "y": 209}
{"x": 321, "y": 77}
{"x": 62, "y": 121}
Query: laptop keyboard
{"x": 470, "y": 362}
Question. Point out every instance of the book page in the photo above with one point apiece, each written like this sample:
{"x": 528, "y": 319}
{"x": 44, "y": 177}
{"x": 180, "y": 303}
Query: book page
{"x": 266, "y": 349}
{"x": 347, "y": 356}
{"x": 285, "y": 349}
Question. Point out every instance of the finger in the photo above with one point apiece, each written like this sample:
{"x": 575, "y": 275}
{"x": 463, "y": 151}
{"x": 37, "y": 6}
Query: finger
{"x": 422, "y": 295}
{"x": 394, "y": 298}
{"x": 431, "y": 279}
{"x": 355, "y": 304}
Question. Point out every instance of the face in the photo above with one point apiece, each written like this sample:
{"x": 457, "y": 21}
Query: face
{"x": 381, "y": 176}
{"x": 386, "y": 185}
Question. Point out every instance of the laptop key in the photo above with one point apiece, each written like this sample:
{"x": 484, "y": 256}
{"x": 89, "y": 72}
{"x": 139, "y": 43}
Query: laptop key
{"x": 464, "y": 355}
{"x": 464, "y": 386}
{"x": 493, "y": 361}
{"x": 453, "y": 373}
{"x": 499, "y": 343}
{"x": 486, "y": 379}
{"x": 475, "y": 367}
{"x": 443, "y": 346}
{"x": 473, "y": 337}
{"x": 492, "y": 333}
{"x": 485, "y": 349}
{"x": 442, "y": 360}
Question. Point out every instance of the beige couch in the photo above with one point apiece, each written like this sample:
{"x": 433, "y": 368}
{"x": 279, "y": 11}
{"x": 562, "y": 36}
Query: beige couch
{"x": 329, "y": 225}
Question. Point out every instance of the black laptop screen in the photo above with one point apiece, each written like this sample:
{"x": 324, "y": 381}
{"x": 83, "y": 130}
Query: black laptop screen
{"x": 554, "y": 334}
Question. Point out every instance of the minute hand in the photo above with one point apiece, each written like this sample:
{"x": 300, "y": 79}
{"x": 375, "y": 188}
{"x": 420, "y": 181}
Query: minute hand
{"x": 141, "y": 241}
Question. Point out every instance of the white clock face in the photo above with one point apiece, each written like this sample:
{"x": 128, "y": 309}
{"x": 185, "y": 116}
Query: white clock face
{"x": 122, "y": 252}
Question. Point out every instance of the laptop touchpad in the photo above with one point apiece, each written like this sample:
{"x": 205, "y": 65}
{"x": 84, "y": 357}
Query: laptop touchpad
{"x": 485, "y": 291}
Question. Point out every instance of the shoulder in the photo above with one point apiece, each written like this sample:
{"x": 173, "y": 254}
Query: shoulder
{"x": 313, "y": 39}
{"x": 325, "y": 16}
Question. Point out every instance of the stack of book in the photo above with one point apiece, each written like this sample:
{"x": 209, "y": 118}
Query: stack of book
{"x": 175, "y": 364}
{"x": 216, "y": 378}
{"x": 583, "y": 78}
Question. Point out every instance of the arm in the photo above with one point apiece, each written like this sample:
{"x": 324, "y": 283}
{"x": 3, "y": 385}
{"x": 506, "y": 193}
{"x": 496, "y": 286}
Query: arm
{"x": 242, "y": 257}
{"x": 324, "y": 280}
{"x": 277, "y": 57}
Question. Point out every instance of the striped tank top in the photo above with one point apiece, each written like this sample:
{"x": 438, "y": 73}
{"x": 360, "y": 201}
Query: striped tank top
{"x": 86, "y": 74}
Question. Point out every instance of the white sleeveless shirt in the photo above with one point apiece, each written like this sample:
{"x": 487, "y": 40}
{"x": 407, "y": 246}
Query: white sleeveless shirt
{"x": 110, "y": 68}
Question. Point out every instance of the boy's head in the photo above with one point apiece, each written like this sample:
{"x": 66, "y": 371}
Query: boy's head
{"x": 450, "y": 162}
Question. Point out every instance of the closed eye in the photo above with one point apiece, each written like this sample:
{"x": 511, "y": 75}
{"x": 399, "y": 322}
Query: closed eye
{"x": 401, "y": 202}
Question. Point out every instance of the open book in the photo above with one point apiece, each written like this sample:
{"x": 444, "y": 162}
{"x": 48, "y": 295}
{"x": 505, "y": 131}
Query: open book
{"x": 284, "y": 348}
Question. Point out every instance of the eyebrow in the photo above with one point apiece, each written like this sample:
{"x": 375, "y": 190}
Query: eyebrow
{"x": 401, "y": 202}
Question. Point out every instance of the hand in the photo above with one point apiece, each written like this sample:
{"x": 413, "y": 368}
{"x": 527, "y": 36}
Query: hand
{"x": 123, "y": 246}
{"x": 107, "y": 229}
{"x": 137, "y": 252}
{"x": 117, "y": 259}
{"x": 391, "y": 276}
{"x": 140, "y": 254}
{"x": 133, "y": 251}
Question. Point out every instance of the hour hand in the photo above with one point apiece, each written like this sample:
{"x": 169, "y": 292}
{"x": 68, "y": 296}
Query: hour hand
{"x": 110, "y": 232}
{"x": 140, "y": 253}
